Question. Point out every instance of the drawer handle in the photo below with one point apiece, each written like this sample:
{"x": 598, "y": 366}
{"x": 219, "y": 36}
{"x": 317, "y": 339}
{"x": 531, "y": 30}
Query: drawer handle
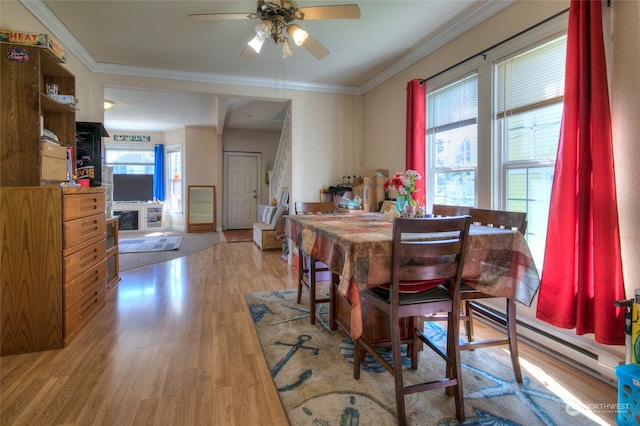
{"x": 92, "y": 282}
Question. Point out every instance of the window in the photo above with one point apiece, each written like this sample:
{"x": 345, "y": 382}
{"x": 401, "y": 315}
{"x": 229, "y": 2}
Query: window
{"x": 132, "y": 172}
{"x": 130, "y": 161}
{"x": 529, "y": 98}
{"x": 452, "y": 140}
{"x": 502, "y": 154}
{"x": 174, "y": 160}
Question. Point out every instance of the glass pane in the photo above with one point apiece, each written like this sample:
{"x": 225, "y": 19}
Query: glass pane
{"x": 533, "y": 135}
{"x": 175, "y": 180}
{"x": 455, "y": 188}
{"x": 456, "y": 148}
{"x": 529, "y": 190}
{"x": 129, "y": 156}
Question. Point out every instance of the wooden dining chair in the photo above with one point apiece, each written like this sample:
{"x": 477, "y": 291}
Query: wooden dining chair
{"x": 443, "y": 210}
{"x": 516, "y": 221}
{"x": 419, "y": 270}
{"x": 309, "y": 268}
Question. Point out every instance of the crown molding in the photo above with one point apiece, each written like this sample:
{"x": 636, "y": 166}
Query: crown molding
{"x": 463, "y": 24}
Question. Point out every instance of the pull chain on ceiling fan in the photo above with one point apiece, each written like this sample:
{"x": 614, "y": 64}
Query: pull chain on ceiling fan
{"x": 278, "y": 17}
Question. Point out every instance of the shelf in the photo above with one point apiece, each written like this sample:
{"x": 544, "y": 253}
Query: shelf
{"x": 49, "y": 104}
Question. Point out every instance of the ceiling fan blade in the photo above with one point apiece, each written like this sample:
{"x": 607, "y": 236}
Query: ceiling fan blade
{"x": 347, "y": 11}
{"x": 207, "y": 17}
{"x": 314, "y": 47}
{"x": 248, "y": 53}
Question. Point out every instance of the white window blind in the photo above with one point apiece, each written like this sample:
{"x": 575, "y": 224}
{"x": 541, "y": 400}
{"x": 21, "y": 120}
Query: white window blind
{"x": 455, "y": 105}
{"x": 531, "y": 79}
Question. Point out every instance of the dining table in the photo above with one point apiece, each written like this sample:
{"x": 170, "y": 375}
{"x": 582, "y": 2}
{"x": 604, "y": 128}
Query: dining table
{"x": 357, "y": 249}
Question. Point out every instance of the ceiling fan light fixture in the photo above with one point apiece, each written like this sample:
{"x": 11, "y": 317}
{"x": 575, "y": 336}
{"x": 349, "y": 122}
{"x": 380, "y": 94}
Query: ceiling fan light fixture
{"x": 298, "y": 34}
{"x": 256, "y": 43}
{"x": 263, "y": 29}
{"x": 286, "y": 49}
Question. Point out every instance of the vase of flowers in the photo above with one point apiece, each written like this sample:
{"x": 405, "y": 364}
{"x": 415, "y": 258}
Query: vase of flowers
{"x": 405, "y": 184}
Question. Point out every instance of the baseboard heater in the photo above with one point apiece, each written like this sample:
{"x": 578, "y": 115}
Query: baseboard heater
{"x": 597, "y": 365}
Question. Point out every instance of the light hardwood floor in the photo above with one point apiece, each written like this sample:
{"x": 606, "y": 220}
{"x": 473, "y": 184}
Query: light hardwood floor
{"x": 175, "y": 345}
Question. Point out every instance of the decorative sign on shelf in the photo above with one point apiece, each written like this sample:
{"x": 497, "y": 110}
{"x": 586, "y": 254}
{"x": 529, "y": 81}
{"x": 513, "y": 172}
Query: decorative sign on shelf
{"x": 131, "y": 138}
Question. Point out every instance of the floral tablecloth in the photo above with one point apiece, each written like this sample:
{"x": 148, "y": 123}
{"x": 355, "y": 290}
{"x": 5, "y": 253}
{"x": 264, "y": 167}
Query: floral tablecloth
{"x": 358, "y": 248}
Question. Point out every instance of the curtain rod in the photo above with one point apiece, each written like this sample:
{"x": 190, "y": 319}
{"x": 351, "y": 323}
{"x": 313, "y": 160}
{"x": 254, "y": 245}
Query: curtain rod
{"x": 483, "y": 52}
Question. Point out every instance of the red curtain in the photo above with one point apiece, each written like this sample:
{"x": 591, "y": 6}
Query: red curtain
{"x": 582, "y": 274}
{"x": 416, "y": 127}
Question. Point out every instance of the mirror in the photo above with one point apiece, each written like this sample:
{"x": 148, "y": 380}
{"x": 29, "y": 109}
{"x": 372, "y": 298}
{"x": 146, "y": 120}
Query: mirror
{"x": 201, "y": 211}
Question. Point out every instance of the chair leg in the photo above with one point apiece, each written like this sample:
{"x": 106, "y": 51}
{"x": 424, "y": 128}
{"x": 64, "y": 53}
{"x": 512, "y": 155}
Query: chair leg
{"x": 468, "y": 324}
{"x": 357, "y": 358}
{"x": 301, "y": 262}
{"x": 455, "y": 363}
{"x": 513, "y": 339}
{"x": 333, "y": 301}
{"x": 312, "y": 290}
{"x": 396, "y": 353}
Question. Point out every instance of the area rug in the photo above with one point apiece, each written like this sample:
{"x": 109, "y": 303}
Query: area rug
{"x": 146, "y": 244}
{"x": 312, "y": 368}
{"x": 238, "y": 235}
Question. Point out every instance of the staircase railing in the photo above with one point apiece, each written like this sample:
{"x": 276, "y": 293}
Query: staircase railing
{"x": 282, "y": 159}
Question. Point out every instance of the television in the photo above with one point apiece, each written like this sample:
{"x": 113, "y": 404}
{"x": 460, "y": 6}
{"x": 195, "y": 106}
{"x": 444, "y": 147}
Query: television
{"x": 132, "y": 188}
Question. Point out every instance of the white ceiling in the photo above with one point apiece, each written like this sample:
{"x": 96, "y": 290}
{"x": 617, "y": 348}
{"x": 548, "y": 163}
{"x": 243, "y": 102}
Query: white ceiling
{"x": 156, "y": 38}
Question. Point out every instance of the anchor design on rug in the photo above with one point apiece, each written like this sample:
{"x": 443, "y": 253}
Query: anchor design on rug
{"x": 295, "y": 347}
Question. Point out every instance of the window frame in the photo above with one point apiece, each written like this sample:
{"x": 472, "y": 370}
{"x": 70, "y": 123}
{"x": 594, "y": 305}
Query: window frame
{"x": 169, "y": 151}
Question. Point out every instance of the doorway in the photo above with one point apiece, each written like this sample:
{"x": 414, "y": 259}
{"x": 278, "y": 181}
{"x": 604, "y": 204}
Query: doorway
{"x": 242, "y": 188}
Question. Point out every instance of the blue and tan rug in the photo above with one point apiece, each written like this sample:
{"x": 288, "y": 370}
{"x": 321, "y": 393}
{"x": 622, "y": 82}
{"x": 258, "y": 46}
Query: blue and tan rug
{"x": 147, "y": 244}
{"x": 312, "y": 368}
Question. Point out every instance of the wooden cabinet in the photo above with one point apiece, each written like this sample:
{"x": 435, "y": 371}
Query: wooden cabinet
{"x": 84, "y": 269}
{"x": 53, "y": 268}
{"x": 113, "y": 275}
{"x": 30, "y": 269}
{"x": 26, "y": 108}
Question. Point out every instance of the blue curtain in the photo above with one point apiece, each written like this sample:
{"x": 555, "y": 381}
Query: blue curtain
{"x": 158, "y": 173}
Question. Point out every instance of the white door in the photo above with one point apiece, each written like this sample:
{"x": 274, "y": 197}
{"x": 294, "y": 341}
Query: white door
{"x": 242, "y": 186}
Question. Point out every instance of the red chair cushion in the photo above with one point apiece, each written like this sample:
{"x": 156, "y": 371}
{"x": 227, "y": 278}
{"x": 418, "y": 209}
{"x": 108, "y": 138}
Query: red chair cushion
{"x": 416, "y": 286}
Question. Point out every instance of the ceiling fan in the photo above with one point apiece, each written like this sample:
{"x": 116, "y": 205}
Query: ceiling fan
{"x": 278, "y": 18}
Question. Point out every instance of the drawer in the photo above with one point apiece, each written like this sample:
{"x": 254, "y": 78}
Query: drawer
{"x": 269, "y": 240}
{"x": 83, "y": 229}
{"x": 77, "y": 263}
{"x": 76, "y": 289}
{"x": 80, "y": 313}
{"x": 75, "y": 206}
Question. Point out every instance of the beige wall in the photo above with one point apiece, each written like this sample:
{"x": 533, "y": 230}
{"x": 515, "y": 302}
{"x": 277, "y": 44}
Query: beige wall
{"x": 384, "y": 106}
{"x": 625, "y": 114}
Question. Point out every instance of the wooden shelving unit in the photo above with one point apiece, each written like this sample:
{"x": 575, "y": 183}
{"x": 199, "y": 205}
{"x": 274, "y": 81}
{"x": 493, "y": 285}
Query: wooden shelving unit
{"x": 27, "y": 110}
{"x": 113, "y": 267}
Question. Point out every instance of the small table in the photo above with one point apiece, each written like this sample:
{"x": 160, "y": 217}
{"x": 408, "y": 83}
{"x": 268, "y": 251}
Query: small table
{"x": 358, "y": 249}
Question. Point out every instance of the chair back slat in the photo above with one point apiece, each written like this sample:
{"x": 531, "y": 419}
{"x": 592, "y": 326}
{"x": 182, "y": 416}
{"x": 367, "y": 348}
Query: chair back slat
{"x": 500, "y": 219}
{"x": 324, "y": 207}
{"x": 428, "y": 272}
{"x": 440, "y": 210}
